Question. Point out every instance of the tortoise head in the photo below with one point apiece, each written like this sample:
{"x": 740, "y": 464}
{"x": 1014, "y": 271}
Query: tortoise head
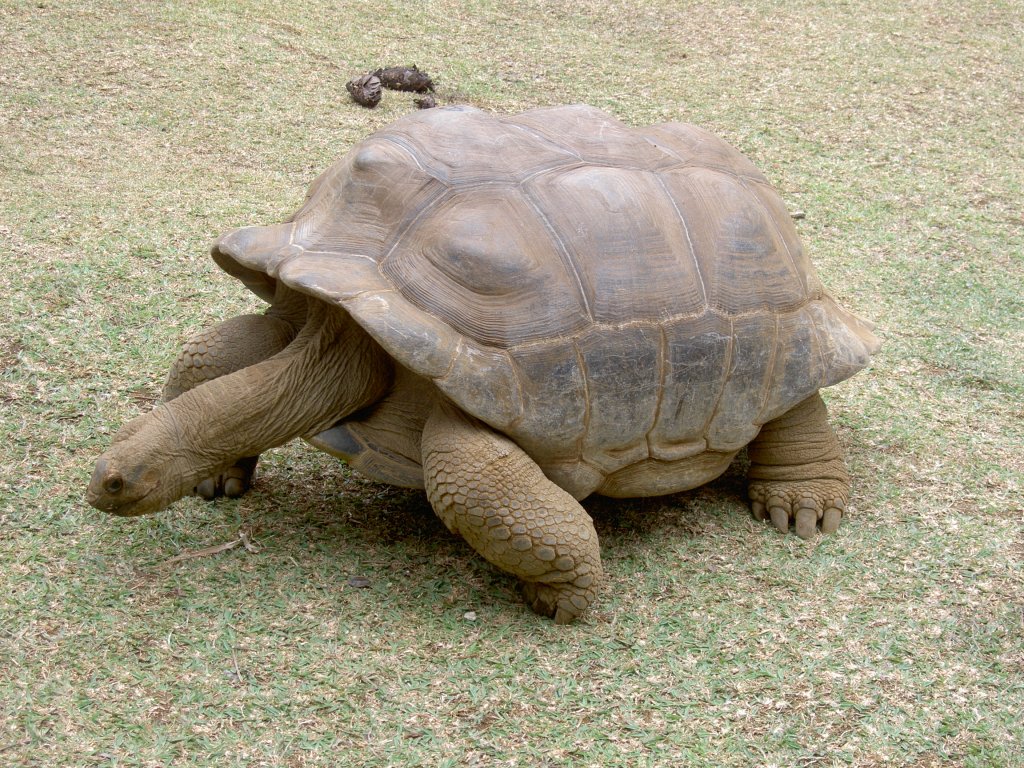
{"x": 137, "y": 474}
{"x": 126, "y": 491}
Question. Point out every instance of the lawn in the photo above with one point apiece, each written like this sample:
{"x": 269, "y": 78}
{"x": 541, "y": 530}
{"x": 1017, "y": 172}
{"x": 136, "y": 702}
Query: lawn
{"x": 351, "y": 628}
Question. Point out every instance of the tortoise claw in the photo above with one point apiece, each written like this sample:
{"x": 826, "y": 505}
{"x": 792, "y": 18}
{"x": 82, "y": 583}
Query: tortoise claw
{"x": 780, "y": 519}
{"x": 231, "y": 483}
{"x": 758, "y": 509}
{"x": 806, "y": 522}
{"x": 562, "y": 602}
{"x": 807, "y": 506}
{"x": 831, "y": 519}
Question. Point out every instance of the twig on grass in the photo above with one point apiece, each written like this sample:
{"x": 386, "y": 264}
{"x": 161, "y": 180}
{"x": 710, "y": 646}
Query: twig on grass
{"x": 244, "y": 540}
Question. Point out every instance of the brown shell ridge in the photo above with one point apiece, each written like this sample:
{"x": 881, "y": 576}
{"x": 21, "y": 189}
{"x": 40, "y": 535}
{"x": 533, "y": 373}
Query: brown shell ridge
{"x": 564, "y": 256}
{"x": 775, "y": 228}
{"x": 483, "y": 123}
{"x": 451, "y": 366}
{"x": 410, "y": 151}
{"x": 524, "y": 181}
{"x": 728, "y": 368}
{"x": 360, "y": 295}
{"x": 741, "y": 177}
{"x": 581, "y": 162}
{"x": 587, "y": 415}
{"x": 761, "y": 418}
{"x": 662, "y": 381}
{"x": 412, "y": 221}
{"x": 684, "y": 162}
{"x": 518, "y": 420}
{"x": 543, "y": 139}
{"x": 821, "y": 297}
{"x": 689, "y": 238}
{"x": 295, "y": 250}
{"x": 661, "y": 137}
{"x": 336, "y": 254}
{"x": 819, "y": 353}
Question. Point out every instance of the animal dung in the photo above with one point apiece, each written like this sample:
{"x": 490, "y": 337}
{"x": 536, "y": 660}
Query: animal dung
{"x": 405, "y": 79}
{"x": 365, "y": 90}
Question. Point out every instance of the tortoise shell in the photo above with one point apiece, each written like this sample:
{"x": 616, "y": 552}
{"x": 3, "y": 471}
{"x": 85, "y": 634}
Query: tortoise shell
{"x": 607, "y": 296}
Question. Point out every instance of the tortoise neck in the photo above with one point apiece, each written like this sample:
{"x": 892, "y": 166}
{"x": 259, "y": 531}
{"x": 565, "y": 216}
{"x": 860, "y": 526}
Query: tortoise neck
{"x": 331, "y": 369}
{"x": 290, "y": 305}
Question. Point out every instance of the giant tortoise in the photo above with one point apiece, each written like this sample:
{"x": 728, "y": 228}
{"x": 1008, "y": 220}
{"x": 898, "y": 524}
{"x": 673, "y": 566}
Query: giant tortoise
{"x": 514, "y": 313}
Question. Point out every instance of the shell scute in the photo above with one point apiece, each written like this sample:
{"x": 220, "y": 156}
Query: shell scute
{"x": 464, "y": 147}
{"x": 607, "y": 221}
{"x": 483, "y": 261}
{"x": 798, "y": 366}
{"x": 338, "y": 280}
{"x": 693, "y": 146}
{"x": 555, "y": 403}
{"x": 427, "y": 345}
{"x": 741, "y": 401}
{"x": 845, "y": 341}
{"x": 697, "y": 359}
{"x": 366, "y": 202}
{"x": 744, "y": 261}
{"x": 593, "y": 136}
{"x": 485, "y": 378}
{"x": 622, "y": 370}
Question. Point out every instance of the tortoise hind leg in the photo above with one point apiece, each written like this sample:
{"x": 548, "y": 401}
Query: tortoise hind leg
{"x": 225, "y": 348}
{"x": 486, "y": 489}
{"x": 797, "y": 472}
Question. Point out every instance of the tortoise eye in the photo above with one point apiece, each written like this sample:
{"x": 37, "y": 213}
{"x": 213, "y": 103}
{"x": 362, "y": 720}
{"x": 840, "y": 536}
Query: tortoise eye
{"x": 113, "y": 485}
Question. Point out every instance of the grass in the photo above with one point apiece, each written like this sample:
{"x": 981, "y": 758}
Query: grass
{"x": 362, "y": 633}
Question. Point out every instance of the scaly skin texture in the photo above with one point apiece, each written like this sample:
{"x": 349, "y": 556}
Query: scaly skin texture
{"x": 797, "y": 473}
{"x": 236, "y": 343}
{"x": 486, "y": 489}
{"x": 230, "y": 346}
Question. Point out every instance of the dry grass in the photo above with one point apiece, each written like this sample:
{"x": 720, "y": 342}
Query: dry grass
{"x": 130, "y": 137}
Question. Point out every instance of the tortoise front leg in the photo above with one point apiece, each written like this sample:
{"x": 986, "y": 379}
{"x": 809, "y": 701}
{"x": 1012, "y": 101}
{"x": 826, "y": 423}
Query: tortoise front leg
{"x": 225, "y": 348}
{"x": 797, "y": 471}
{"x": 486, "y": 489}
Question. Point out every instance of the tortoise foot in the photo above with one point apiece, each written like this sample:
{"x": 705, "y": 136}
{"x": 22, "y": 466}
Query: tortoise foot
{"x": 488, "y": 490}
{"x": 562, "y": 602}
{"x": 231, "y": 483}
{"x": 806, "y": 505}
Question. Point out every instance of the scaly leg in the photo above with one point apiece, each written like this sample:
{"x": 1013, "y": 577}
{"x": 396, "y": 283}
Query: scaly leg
{"x": 797, "y": 471}
{"x": 225, "y": 348}
{"x": 486, "y": 489}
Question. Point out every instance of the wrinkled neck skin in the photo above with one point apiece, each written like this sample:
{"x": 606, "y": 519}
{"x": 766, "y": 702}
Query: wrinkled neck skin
{"x": 330, "y": 370}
